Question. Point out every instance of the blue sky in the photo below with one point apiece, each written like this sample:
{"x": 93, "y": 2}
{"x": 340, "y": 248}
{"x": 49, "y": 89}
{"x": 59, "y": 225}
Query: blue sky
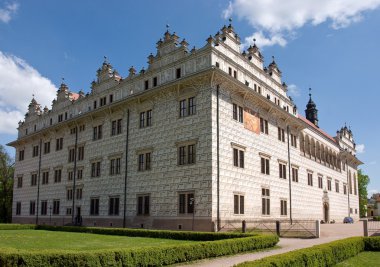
{"x": 330, "y": 47}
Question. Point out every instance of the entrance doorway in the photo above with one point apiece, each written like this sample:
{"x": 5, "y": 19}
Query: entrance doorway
{"x": 326, "y": 212}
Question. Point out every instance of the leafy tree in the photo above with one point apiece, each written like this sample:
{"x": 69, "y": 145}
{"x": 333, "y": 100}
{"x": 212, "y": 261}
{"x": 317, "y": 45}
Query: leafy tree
{"x": 6, "y": 185}
{"x": 363, "y": 181}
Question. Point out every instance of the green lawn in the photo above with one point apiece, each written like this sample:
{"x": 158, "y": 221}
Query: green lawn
{"x": 33, "y": 240}
{"x": 364, "y": 259}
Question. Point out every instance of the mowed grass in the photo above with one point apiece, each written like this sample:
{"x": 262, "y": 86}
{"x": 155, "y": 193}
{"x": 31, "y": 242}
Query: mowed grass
{"x": 35, "y": 240}
{"x": 363, "y": 259}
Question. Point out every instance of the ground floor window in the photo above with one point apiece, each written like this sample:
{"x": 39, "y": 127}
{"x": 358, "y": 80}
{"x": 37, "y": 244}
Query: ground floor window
{"x": 284, "y": 207}
{"x": 186, "y": 203}
{"x": 238, "y": 204}
{"x": 143, "y": 205}
{"x": 18, "y": 208}
{"x": 265, "y": 201}
{"x": 44, "y": 207}
{"x": 113, "y": 206}
{"x": 56, "y": 207}
{"x": 94, "y": 207}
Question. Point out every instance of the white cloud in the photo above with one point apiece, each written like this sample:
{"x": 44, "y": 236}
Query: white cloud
{"x": 282, "y": 18}
{"x": 293, "y": 90}
{"x": 8, "y": 11}
{"x": 360, "y": 149}
{"x": 262, "y": 40}
{"x": 19, "y": 81}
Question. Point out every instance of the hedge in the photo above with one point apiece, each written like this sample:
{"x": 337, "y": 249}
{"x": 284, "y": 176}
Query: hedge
{"x": 376, "y": 218}
{"x": 321, "y": 255}
{"x": 178, "y": 235}
{"x": 11, "y": 226}
{"x": 150, "y": 256}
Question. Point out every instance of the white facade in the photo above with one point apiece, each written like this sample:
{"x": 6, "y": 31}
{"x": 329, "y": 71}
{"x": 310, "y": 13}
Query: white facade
{"x": 179, "y": 113}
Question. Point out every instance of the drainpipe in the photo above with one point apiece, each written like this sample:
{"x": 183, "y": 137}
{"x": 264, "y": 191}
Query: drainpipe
{"x": 290, "y": 178}
{"x": 348, "y": 190}
{"x": 217, "y": 161}
{"x": 74, "y": 175}
{"x": 38, "y": 181}
{"x": 126, "y": 171}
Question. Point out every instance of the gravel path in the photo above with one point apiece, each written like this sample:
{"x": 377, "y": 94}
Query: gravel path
{"x": 329, "y": 232}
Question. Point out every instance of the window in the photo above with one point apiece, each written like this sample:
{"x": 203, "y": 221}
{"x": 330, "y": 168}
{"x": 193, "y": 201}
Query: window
{"x": 47, "y": 148}
{"x": 103, "y": 101}
{"x": 144, "y": 162}
{"x": 238, "y": 204}
{"x": 187, "y": 107}
{"x": 281, "y": 134}
{"x": 44, "y": 207}
{"x": 60, "y": 117}
{"x": 238, "y": 158}
{"x": 320, "y": 182}
{"x": 146, "y": 84}
{"x": 282, "y": 170}
{"x": 81, "y": 128}
{"x": 70, "y": 176}
{"x": 18, "y": 208}
{"x": 186, "y": 203}
{"x": 143, "y": 205}
{"x": 56, "y": 207}
{"x": 21, "y": 155}
{"x": 51, "y": 121}
{"x": 351, "y": 210}
{"x": 217, "y": 64}
{"x": 116, "y": 127}
{"x": 57, "y": 175}
{"x": 68, "y": 211}
{"x": 356, "y": 211}
{"x": 265, "y": 201}
{"x": 80, "y": 153}
{"x": 19, "y": 182}
{"x": 263, "y": 126}
{"x": 329, "y": 184}
{"x": 45, "y": 177}
{"x": 80, "y": 174}
{"x": 295, "y": 174}
{"x": 230, "y": 71}
{"x": 265, "y": 165}
{"x": 235, "y": 74}
{"x": 113, "y": 206}
{"x": 65, "y": 115}
{"x": 310, "y": 179}
{"x": 345, "y": 189}
{"x": 58, "y": 144}
{"x": 178, "y": 73}
{"x": 259, "y": 89}
{"x": 97, "y": 132}
{"x": 237, "y": 113}
{"x": 115, "y": 166}
{"x": 71, "y": 154}
{"x": 73, "y": 130}
{"x": 94, "y": 207}
{"x": 32, "y": 208}
{"x": 355, "y": 188}
{"x": 35, "y": 151}
{"x": 69, "y": 194}
{"x": 95, "y": 169}
{"x": 146, "y": 119}
{"x": 186, "y": 154}
{"x": 33, "y": 180}
{"x": 79, "y": 193}
{"x": 94, "y": 104}
{"x": 111, "y": 98}
{"x": 293, "y": 140}
{"x": 284, "y": 207}
{"x": 154, "y": 81}
{"x": 337, "y": 186}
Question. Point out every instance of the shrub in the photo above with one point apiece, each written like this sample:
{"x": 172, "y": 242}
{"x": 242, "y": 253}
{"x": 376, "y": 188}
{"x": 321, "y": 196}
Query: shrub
{"x": 322, "y": 255}
{"x": 376, "y": 218}
{"x": 11, "y": 226}
{"x": 148, "y": 256}
{"x": 372, "y": 243}
{"x": 178, "y": 235}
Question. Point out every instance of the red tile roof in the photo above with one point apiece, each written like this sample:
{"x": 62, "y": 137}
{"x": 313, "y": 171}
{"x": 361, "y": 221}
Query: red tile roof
{"x": 316, "y": 128}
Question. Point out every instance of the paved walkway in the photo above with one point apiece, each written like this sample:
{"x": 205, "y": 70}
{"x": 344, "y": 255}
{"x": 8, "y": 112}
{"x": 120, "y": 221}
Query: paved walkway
{"x": 329, "y": 232}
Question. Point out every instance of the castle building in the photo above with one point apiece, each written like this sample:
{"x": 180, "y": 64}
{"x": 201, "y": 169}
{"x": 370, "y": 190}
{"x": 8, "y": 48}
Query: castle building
{"x": 199, "y": 138}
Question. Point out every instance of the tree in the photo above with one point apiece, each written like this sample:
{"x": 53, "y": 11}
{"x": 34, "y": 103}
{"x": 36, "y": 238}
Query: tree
{"x": 363, "y": 181}
{"x": 6, "y": 186}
